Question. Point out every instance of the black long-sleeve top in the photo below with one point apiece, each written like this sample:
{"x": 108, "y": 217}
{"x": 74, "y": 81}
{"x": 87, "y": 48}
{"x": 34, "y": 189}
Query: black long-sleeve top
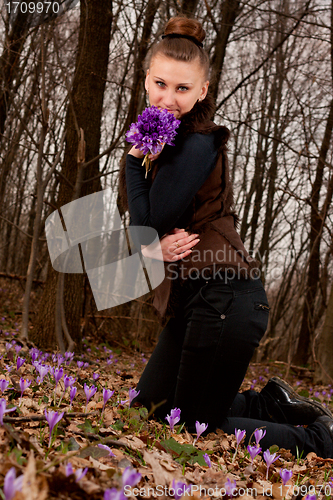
{"x": 183, "y": 169}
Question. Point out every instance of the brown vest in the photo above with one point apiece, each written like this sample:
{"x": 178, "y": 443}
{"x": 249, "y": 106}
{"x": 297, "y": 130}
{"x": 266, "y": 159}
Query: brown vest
{"x": 210, "y": 215}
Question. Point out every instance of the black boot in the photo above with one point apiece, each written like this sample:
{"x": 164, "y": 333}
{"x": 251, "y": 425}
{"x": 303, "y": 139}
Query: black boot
{"x": 284, "y": 405}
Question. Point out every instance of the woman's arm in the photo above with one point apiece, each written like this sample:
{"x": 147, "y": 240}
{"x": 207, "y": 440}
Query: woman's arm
{"x": 184, "y": 168}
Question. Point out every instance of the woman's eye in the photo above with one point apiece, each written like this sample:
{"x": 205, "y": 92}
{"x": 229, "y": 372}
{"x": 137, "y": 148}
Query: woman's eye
{"x": 182, "y": 89}
{"x": 160, "y": 84}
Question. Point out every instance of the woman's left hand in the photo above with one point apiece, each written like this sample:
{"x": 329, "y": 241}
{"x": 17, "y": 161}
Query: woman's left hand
{"x": 175, "y": 245}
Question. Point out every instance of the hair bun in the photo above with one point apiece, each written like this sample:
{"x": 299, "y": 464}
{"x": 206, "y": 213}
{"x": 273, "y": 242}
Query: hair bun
{"x": 183, "y": 26}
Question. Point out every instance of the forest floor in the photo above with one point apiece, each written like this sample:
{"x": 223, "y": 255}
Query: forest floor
{"x": 138, "y": 457}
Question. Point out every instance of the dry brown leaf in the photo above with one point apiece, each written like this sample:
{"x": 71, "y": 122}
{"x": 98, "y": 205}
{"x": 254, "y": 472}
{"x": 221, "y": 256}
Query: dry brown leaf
{"x": 80, "y": 462}
{"x": 133, "y": 442}
{"x": 98, "y": 465}
{"x": 161, "y": 475}
{"x": 168, "y": 465}
{"x": 33, "y": 488}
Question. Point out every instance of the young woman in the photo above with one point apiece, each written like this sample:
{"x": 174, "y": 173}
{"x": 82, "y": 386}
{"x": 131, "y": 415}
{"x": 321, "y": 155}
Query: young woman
{"x": 211, "y": 301}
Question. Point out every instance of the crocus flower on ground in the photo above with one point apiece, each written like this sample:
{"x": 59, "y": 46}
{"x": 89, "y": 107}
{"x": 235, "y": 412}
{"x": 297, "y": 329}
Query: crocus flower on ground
{"x": 24, "y": 384}
{"x": 79, "y": 473}
{"x": 179, "y": 489}
{"x": 258, "y": 435}
{"x": 68, "y": 382}
{"x": 72, "y": 394}
{"x": 239, "y": 436}
{"x": 130, "y": 477}
{"x": 230, "y": 487}
{"x": 69, "y": 357}
{"x": 132, "y": 394}
{"x": 57, "y": 374}
{"x": 3, "y": 384}
{"x": 269, "y": 459}
{"x": 19, "y": 362}
{"x": 173, "y": 418}
{"x": 80, "y": 364}
{"x": 200, "y": 428}
{"x": 42, "y": 370}
{"x": 12, "y": 484}
{"x": 89, "y": 392}
{"x": 107, "y": 394}
{"x": 253, "y": 451}
{"x": 114, "y": 494}
{"x": 107, "y": 448}
{"x": 207, "y": 459}
{"x": 52, "y": 417}
{"x": 3, "y": 409}
{"x": 285, "y": 475}
{"x": 95, "y": 376}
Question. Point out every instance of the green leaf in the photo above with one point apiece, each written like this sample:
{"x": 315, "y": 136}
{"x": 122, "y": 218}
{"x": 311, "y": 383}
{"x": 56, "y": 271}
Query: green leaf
{"x": 73, "y": 445}
{"x": 118, "y": 426}
{"x": 87, "y": 427}
{"x": 186, "y": 452}
{"x": 274, "y": 448}
{"x": 304, "y": 392}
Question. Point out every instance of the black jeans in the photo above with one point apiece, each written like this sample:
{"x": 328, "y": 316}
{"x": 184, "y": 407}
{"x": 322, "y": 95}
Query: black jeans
{"x": 201, "y": 359}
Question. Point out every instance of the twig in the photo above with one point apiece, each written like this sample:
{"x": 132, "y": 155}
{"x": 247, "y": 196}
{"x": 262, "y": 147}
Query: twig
{"x": 37, "y": 418}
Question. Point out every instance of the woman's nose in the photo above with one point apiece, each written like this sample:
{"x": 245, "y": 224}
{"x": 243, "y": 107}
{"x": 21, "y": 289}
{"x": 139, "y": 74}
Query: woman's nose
{"x": 169, "y": 98}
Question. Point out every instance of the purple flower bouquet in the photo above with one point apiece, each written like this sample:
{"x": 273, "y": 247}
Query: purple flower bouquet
{"x": 154, "y": 128}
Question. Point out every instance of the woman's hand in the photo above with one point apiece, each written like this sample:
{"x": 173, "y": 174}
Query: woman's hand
{"x": 139, "y": 154}
{"x": 175, "y": 245}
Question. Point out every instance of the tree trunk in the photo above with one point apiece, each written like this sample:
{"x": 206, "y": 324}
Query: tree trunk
{"x": 307, "y": 327}
{"x": 230, "y": 10}
{"x": 324, "y": 369}
{"x": 84, "y": 111}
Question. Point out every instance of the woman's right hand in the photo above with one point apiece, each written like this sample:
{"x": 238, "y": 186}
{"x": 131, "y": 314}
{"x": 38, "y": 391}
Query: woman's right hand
{"x": 175, "y": 245}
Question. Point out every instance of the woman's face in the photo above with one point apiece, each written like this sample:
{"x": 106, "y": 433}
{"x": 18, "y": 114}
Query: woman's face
{"x": 175, "y": 85}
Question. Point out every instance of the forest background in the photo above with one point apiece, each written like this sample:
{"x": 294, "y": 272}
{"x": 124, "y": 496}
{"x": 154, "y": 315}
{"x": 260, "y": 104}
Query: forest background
{"x": 70, "y": 87}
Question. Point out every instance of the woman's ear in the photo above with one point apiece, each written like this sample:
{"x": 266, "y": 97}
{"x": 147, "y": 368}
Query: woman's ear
{"x": 204, "y": 91}
{"x": 146, "y": 81}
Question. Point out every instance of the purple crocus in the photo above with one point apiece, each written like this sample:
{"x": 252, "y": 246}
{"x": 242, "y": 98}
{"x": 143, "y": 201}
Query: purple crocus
{"x": 207, "y": 459}
{"x": 107, "y": 448}
{"x": 34, "y": 353}
{"x": 230, "y": 487}
{"x": 12, "y": 484}
{"x": 285, "y": 475}
{"x": 89, "y": 392}
{"x": 130, "y": 477}
{"x": 72, "y": 394}
{"x": 154, "y": 128}
{"x": 17, "y": 348}
{"x": 68, "y": 382}
{"x": 95, "y": 376}
{"x": 269, "y": 459}
{"x": 132, "y": 394}
{"x": 80, "y": 364}
{"x": 114, "y": 494}
{"x": 173, "y": 418}
{"x": 19, "y": 362}
{"x": 4, "y": 410}
{"x": 69, "y": 357}
{"x": 107, "y": 394}
{"x": 57, "y": 375}
{"x": 79, "y": 473}
{"x": 24, "y": 384}
{"x": 180, "y": 489}
{"x": 239, "y": 436}
{"x": 200, "y": 428}
{"x": 3, "y": 384}
{"x": 258, "y": 435}
{"x": 42, "y": 370}
{"x": 253, "y": 451}
{"x": 52, "y": 417}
